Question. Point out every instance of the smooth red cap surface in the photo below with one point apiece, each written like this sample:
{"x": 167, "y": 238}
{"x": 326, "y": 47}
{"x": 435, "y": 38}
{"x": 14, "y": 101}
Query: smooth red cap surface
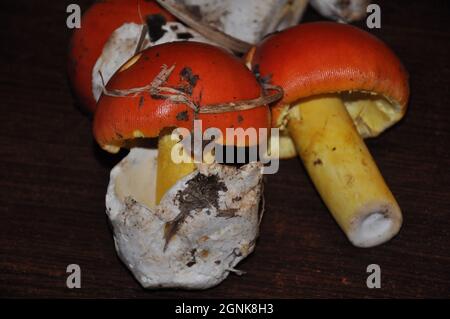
{"x": 325, "y": 57}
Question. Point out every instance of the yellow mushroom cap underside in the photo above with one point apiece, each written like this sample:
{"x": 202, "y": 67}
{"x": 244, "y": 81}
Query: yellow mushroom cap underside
{"x": 372, "y": 114}
{"x": 318, "y": 58}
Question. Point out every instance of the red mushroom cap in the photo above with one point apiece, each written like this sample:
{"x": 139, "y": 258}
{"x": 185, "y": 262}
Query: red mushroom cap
{"x": 325, "y": 57}
{"x": 97, "y": 25}
{"x": 211, "y": 76}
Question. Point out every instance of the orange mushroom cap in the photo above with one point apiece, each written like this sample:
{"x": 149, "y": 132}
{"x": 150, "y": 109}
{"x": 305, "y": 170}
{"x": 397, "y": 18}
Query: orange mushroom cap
{"x": 97, "y": 25}
{"x": 215, "y": 77}
{"x": 326, "y": 57}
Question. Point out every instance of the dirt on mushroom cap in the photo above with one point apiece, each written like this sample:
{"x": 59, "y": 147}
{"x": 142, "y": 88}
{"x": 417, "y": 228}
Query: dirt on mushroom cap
{"x": 218, "y": 77}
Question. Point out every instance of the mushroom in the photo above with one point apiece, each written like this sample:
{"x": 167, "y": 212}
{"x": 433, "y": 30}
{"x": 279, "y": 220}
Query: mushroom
{"x": 174, "y": 81}
{"x": 112, "y": 32}
{"x": 341, "y": 85}
{"x": 165, "y": 87}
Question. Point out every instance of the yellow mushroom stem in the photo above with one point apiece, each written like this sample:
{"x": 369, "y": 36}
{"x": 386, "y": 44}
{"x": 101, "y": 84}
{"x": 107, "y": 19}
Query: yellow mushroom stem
{"x": 343, "y": 170}
{"x": 168, "y": 170}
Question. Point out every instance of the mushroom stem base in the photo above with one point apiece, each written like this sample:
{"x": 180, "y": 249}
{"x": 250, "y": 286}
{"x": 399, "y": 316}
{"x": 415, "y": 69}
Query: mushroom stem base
{"x": 343, "y": 171}
{"x": 169, "y": 171}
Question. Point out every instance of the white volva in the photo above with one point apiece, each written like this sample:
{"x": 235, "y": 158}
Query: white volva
{"x": 209, "y": 242}
{"x": 248, "y": 20}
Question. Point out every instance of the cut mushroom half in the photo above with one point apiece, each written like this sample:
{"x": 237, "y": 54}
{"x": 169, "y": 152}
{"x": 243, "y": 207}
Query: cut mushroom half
{"x": 341, "y": 85}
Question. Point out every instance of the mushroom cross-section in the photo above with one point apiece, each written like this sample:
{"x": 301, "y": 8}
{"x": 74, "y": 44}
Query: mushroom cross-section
{"x": 341, "y": 84}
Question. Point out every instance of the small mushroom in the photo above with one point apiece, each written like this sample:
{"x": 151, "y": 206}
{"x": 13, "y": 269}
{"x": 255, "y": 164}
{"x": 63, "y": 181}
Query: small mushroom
{"x": 341, "y": 85}
{"x": 162, "y": 88}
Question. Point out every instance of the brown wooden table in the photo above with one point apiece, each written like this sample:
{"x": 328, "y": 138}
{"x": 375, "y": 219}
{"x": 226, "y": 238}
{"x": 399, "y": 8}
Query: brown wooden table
{"x": 53, "y": 180}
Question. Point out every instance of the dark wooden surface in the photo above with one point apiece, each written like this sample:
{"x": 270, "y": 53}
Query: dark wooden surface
{"x": 53, "y": 180}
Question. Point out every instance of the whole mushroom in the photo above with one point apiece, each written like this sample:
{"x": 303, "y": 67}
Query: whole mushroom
{"x": 341, "y": 85}
{"x": 181, "y": 224}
